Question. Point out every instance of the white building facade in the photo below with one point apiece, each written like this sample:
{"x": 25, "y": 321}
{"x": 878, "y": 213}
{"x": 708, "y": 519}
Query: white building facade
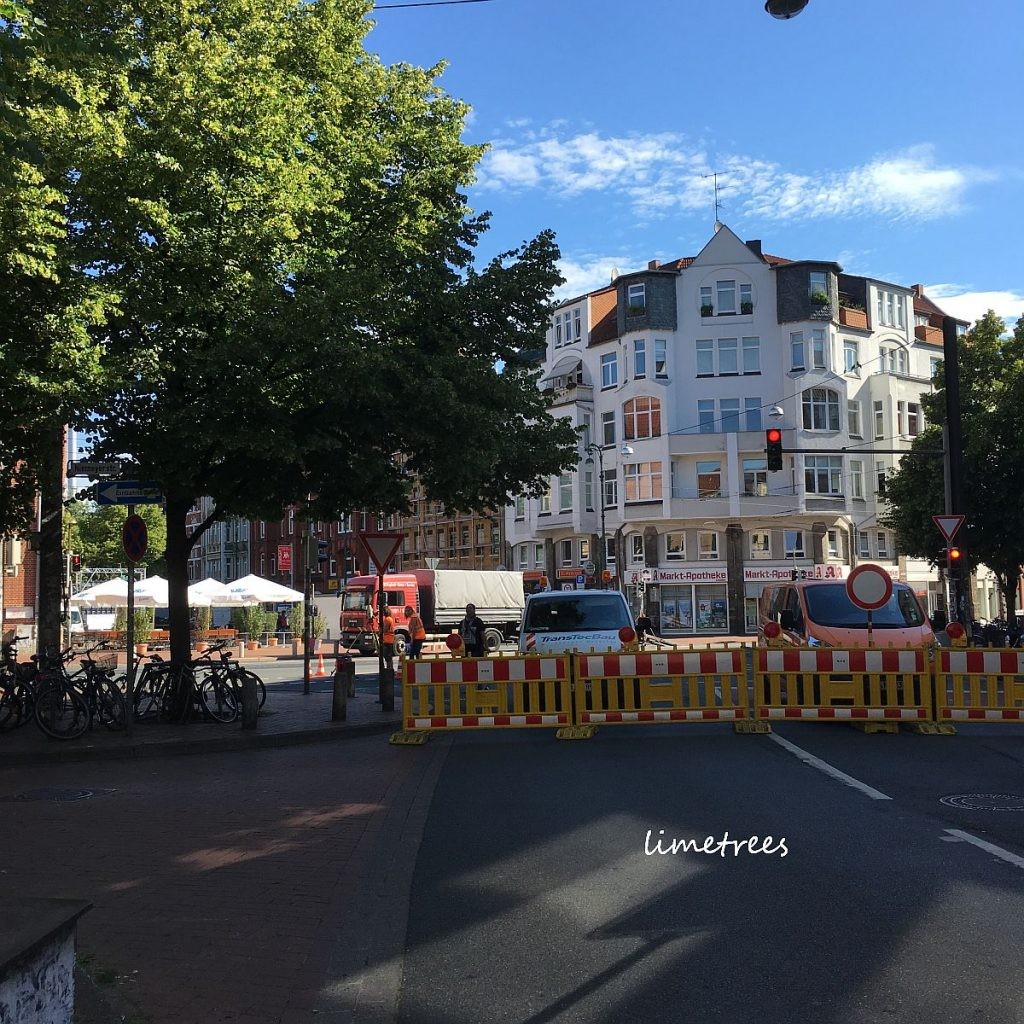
{"x": 673, "y": 374}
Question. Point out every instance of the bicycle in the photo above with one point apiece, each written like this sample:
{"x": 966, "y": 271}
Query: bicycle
{"x": 17, "y": 694}
{"x": 60, "y": 710}
{"x": 220, "y": 685}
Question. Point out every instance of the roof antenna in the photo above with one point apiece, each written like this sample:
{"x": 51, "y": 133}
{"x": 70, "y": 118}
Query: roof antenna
{"x": 718, "y": 205}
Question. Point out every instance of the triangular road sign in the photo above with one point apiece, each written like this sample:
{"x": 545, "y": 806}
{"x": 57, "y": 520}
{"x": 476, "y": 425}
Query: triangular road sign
{"x": 382, "y": 547}
{"x": 948, "y": 525}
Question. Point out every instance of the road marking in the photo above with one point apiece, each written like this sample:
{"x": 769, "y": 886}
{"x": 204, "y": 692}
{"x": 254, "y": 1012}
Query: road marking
{"x": 824, "y": 766}
{"x": 996, "y": 851}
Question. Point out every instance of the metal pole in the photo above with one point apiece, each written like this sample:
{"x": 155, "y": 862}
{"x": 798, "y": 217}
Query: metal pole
{"x": 954, "y": 456}
{"x": 307, "y": 609}
{"x": 604, "y": 542}
{"x": 130, "y": 642}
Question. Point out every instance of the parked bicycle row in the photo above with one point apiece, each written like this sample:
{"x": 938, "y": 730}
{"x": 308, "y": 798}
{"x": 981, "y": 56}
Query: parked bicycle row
{"x": 66, "y": 702}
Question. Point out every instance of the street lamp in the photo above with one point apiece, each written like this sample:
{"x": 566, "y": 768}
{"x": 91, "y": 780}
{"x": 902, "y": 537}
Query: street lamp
{"x": 784, "y": 9}
{"x": 599, "y": 449}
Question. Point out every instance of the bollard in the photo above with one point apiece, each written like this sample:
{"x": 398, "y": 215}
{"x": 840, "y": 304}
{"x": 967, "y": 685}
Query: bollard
{"x": 339, "y": 705}
{"x": 250, "y": 702}
{"x": 387, "y": 689}
{"x": 345, "y": 666}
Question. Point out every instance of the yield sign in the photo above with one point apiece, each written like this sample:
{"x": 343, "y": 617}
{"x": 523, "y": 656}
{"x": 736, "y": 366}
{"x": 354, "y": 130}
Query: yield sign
{"x": 948, "y": 525}
{"x": 382, "y": 547}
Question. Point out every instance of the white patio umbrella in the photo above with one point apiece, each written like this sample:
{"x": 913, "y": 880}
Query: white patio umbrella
{"x": 108, "y": 593}
{"x": 151, "y": 592}
{"x": 214, "y": 594}
{"x": 261, "y": 591}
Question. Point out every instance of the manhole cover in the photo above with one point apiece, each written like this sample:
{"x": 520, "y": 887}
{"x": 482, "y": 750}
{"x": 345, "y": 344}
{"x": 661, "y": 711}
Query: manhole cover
{"x": 53, "y": 793}
{"x": 985, "y": 801}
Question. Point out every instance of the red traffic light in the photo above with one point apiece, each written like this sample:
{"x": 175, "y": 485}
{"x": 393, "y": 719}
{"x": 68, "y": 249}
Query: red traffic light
{"x": 773, "y": 448}
{"x": 774, "y": 435}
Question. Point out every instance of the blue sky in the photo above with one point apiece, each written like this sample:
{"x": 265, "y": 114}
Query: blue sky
{"x": 883, "y": 134}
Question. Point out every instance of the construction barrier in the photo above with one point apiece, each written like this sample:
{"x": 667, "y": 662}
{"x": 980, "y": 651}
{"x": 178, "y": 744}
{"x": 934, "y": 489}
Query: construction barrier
{"x": 681, "y": 686}
{"x": 979, "y": 685}
{"x": 879, "y": 688}
{"x": 520, "y": 692}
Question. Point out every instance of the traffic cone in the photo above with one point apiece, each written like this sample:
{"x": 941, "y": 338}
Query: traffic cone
{"x": 320, "y": 671}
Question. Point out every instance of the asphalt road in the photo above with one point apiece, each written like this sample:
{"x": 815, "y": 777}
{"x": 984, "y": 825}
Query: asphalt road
{"x": 533, "y": 898}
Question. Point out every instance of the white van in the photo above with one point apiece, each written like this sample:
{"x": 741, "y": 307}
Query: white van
{"x": 75, "y": 620}
{"x": 574, "y": 620}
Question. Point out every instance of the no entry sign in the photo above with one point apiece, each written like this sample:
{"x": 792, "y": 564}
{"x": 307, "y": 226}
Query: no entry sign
{"x": 869, "y": 587}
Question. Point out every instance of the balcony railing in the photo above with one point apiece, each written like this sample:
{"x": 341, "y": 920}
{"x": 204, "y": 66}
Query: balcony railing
{"x": 850, "y": 317}
{"x": 926, "y": 333}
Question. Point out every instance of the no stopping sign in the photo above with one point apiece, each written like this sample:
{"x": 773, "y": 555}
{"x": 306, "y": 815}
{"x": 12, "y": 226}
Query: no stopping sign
{"x": 869, "y": 587}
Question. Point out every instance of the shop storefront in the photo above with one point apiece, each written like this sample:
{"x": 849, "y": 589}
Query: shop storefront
{"x": 687, "y": 600}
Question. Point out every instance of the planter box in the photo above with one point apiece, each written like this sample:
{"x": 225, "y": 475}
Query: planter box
{"x": 853, "y": 317}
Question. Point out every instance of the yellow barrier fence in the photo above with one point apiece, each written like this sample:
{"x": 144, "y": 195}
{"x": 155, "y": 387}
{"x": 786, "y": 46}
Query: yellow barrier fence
{"x": 979, "y": 685}
{"x": 878, "y": 688}
{"x": 680, "y": 686}
{"x": 525, "y": 692}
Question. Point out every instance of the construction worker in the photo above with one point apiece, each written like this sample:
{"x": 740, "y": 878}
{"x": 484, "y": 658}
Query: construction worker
{"x": 417, "y": 633}
{"x": 389, "y": 635}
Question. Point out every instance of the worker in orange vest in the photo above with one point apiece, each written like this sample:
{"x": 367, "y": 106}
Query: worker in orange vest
{"x": 389, "y": 634}
{"x": 416, "y": 631}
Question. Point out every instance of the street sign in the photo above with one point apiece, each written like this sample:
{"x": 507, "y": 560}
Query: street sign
{"x": 869, "y": 587}
{"x": 382, "y": 547}
{"x": 94, "y": 470}
{"x": 647, "y": 575}
{"x": 134, "y": 538}
{"x": 589, "y": 568}
{"x": 948, "y": 525}
{"x": 580, "y": 579}
{"x": 128, "y": 492}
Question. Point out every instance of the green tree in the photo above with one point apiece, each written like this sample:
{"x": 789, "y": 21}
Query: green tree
{"x": 281, "y": 218}
{"x": 98, "y": 530}
{"x": 991, "y": 396}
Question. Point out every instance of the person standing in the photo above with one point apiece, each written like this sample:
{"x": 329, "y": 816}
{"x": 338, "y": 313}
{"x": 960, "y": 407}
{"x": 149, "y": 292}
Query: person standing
{"x": 282, "y": 626}
{"x": 417, "y": 633}
{"x": 471, "y": 629}
{"x": 389, "y": 636}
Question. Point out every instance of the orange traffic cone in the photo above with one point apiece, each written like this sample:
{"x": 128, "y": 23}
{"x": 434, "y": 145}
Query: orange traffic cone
{"x": 320, "y": 668}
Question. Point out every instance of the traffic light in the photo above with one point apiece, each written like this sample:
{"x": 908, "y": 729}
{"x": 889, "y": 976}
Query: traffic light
{"x": 773, "y": 445}
{"x": 953, "y": 556}
{"x": 321, "y": 551}
{"x": 76, "y": 563}
{"x": 798, "y": 574}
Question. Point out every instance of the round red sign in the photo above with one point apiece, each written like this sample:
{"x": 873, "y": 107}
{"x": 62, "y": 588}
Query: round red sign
{"x": 134, "y": 538}
{"x": 869, "y": 587}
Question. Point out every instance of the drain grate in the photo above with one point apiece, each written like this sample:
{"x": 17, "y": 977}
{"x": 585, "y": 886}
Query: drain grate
{"x": 985, "y": 801}
{"x": 55, "y": 794}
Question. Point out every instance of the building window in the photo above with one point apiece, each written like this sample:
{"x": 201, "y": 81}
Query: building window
{"x": 729, "y": 409}
{"x": 611, "y": 488}
{"x": 823, "y": 474}
{"x": 675, "y": 547}
{"x": 728, "y": 358}
{"x": 558, "y": 330}
{"x": 817, "y": 281}
{"x": 726, "y": 297}
{"x": 707, "y": 547}
{"x": 291, "y": 521}
{"x": 746, "y": 299}
{"x": 564, "y": 494}
{"x": 609, "y": 371}
{"x": 545, "y": 507}
{"x": 891, "y": 309}
{"x": 273, "y": 565}
{"x": 639, "y": 358}
{"x": 856, "y": 478}
{"x": 879, "y": 410}
{"x": 818, "y": 360}
{"x": 913, "y": 419}
{"x": 863, "y": 544}
{"x": 893, "y": 360}
{"x": 709, "y": 479}
{"x": 588, "y": 490}
{"x": 751, "y": 355}
{"x": 660, "y": 358}
{"x": 880, "y": 479}
{"x": 797, "y": 359}
{"x": 853, "y": 417}
{"x": 851, "y": 358}
{"x": 520, "y": 513}
{"x": 833, "y": 543}
{"x": 637, "y": 298}
{"x": 636, "y": 548}
{"x": 523, "y": 555}
{"x": 263, "y": 529}
{"x": 793, "y": 541}
{"x": 607, "y": 428}
{"x": 642, "y": 481}
{"x": 883, "y": 544}
{"x": 933, "y": 367}
{"x": 565, "y": 552}
{"x": 755, "y": 478}
{"x": 577, "y": 320}
{"x": 752, "y": 413}
{"x": 760, "y": 544}
{"x": 706, "y": 415}
{"x": 263, "y": 564}
{"x": 820, "y": 409}
{"x": 641, "y": 417}
{"x": 707, "y": 302}
{"x": 901, "y": 418}
{"x": 584, "y": 549}
{"x": 705, "y": 357}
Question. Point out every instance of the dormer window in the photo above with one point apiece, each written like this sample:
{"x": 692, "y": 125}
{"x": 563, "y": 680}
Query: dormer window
{"x": 726, "y": 297}
{"x": 817, "y": 282}
{"x": 636, "y": 299}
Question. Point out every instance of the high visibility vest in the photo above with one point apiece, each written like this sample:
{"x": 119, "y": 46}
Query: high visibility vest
{"x": 389, "y": 629}
{"x": 416, "y": 628}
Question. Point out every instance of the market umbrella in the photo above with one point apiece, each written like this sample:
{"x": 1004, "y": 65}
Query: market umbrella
{"x": 109, "y": 593}
{"x": 255, "y": 589}
{"x": 151, "y": 592}
{"x": 213, "y": 593}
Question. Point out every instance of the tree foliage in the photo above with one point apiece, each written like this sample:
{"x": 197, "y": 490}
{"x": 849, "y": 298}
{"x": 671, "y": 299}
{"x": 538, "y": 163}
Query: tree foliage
{"x": 98, "y": 534}
{"x": 992, "y": 411}
{"x": 298, "y": 316}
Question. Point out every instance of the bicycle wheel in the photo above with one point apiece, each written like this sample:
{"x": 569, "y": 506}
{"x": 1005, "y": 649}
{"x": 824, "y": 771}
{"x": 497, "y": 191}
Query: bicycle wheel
{"x": 150, "y": 692}
{"x": 261, "y": 687}
{"x": 111, "y": 707}
{"x": 61, "y": 711}
{"x": 218, "y": 699}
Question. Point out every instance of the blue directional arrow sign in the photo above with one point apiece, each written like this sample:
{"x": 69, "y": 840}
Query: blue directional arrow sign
{"x": 128, "y": 492}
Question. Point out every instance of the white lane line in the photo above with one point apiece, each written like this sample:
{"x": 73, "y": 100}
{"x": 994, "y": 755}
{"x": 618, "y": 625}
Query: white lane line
{"x": 824, "y": 766}
{"x": 996, "y": 851}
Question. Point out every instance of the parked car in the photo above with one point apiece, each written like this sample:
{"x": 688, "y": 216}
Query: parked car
{"x": 575, "y": 620}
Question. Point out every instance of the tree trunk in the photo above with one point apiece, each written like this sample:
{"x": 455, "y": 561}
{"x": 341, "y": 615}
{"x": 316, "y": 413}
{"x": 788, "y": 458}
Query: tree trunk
{"x": 50, "y": 545}
{"x": 178, "y": 549}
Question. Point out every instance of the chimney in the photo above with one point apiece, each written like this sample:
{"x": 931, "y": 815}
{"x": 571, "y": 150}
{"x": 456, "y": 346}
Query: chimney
{"x": 653, "y": 264}
{"x": 918, "y": 290}
{"x": 754, "y": 245}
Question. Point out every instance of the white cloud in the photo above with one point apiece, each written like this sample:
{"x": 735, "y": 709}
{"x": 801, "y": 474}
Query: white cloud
{"x": 664, "y": 172}
{"x": 964, "y": 304}
{"x": 591, "y": 273}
